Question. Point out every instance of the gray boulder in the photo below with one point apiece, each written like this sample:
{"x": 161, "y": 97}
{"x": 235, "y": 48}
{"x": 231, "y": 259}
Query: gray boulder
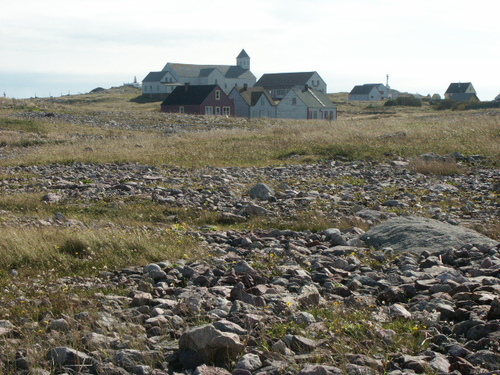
{"x": 261, "y": 191}
{"x": 418, "y": 234}
{"x": 250, "y": 362}
{"x": 213, "y": 346}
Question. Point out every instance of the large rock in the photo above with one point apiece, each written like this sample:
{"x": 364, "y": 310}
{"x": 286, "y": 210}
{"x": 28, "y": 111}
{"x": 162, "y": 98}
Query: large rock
{"x": 418, "y": 234}
{"x": 213, "y": 346}
{"x": 261, "y": 191}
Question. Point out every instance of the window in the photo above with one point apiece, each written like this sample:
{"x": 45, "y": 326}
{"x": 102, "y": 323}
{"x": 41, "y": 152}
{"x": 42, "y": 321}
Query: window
{"x": 217, "y": 94}
{"x": 294, "y": 101}
{"x": 226, "y": 111}
{"x": 262, "y": 102}
{"x": 216, "y": 82}
{"x": 209, "y": 110}
{"x": 181, "y": 109}
{"x": 217, "y": 111}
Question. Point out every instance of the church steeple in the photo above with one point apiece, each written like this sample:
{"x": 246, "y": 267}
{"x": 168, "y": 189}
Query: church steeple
{"x": 243, "y": 60}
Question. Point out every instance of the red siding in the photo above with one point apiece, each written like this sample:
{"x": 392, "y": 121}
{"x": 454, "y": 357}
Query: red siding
{"x": 210, "y": 101}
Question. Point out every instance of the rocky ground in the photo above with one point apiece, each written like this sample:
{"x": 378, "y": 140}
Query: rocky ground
{"x": 408, "y": 289}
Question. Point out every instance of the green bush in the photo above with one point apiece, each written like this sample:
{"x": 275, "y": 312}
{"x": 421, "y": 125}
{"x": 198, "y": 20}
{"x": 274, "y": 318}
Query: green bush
{"x": 406, "y": 100}
{"x": 409, "y": 101}
{"x": 444, "y": 104}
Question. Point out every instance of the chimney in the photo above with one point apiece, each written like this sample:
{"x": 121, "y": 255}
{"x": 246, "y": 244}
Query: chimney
{"x": 306, "y": 87}
{"x": 186, "y": 87}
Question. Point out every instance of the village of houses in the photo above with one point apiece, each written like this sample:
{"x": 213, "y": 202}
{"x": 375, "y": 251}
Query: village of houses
{"x": 232, "y": 90}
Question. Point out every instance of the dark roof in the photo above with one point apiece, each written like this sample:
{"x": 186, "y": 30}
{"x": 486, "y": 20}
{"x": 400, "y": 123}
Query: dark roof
{"x": 235, "y": 71}
{"x": 192, "y": 70}
{"x": 458, "y": 88}
{"x": 364, "y": 89}
{"x": 251, "y": 95}
{"x": 193, "y": 95}
{"x": 242, "y": 54}
{"x": 284, "y": 80}
{"x": 154, "y": 76}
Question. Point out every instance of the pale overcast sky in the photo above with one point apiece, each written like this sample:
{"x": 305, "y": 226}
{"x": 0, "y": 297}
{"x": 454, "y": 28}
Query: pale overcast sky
{"x": 56, "y": 47}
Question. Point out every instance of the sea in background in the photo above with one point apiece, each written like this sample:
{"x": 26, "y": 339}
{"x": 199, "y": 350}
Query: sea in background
{"x": 36, "y": 85}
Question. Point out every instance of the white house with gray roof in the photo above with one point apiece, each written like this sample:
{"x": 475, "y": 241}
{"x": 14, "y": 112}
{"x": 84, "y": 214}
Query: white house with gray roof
{"x": 278, "y": 84}
{"x": 306, "y": 104}
{"x": 252, "y": 102}
{"x": 369, "y": 92}
{"x": 161, "y": 83}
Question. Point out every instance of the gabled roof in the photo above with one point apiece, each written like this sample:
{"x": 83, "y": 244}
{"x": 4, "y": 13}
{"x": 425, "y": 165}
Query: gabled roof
{"x": 189, "y": 95}
{"x": 154, "y": 76}
{"x": 458, "y": 88}
{"x": 242, "y": 54}
{"x": 284, "y": 80}
{"x": 192, "y": 70}
{"x": 364, "y": 89}
{"x": 251, "y": 95}
{"x": 314, "y": 98}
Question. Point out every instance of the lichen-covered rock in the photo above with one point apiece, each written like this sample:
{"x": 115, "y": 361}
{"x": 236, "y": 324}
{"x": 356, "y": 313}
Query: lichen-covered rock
{"x": 418, "y": 234}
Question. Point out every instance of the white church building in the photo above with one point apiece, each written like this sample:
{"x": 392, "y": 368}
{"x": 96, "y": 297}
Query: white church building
{"x": 161, "y": 83}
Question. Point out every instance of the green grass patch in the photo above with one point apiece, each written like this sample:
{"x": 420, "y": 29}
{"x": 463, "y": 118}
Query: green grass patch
{"x": 84, "y": 251}
{"x": 30, "y": 126}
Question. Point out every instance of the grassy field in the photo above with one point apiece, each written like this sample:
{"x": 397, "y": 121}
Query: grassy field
{"x": 362, "y": 131}
{"x": 115, "y": 126}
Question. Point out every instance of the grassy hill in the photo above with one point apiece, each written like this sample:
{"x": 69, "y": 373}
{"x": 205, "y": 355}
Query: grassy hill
{"x": 118, "y": 126}
{"x": 67, "y": 163}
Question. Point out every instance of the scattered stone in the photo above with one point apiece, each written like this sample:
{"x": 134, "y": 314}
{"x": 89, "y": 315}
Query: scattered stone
{"x": 440, "y": 277}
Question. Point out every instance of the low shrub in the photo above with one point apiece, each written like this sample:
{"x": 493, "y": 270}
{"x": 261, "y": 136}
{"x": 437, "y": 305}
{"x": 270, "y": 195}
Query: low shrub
{"x": 405, "y": 100}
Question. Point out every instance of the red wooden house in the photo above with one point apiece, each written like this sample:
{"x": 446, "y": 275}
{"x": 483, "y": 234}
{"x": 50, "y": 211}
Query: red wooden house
{"x": 199, "y": 100}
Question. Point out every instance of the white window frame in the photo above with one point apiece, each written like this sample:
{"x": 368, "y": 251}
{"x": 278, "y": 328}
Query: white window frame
{"x": 209, "y": 110}
{"x": 217, "y": 111}
{"x": 217, "y": 94}
{"x": 226, "y": 111}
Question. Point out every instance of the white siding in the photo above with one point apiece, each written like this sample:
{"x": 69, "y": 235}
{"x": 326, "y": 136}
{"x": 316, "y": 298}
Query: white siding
{"x": 215, "y": 77}
{"x": 290, "y": 108}
{"x": 317, "y": 83}
{"x": 263, "y": 109}
{"x": 241, "y": 108}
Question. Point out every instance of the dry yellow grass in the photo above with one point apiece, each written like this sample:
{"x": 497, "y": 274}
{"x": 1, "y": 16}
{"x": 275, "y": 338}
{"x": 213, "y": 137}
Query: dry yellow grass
{"x": 80, "y": 251}
{"x": 257, "y": 144}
